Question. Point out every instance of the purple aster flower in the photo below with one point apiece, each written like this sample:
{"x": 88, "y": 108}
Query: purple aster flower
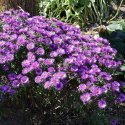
{"x": 51, "y": 70}
{"x": 30, "y": 32}
{"x": 96, "y": 50}
{"x": 66, "y": 67}
{"x": 24, "y": 71}
{"x": 13, "y": 37}
{"x": 35, "y": 65}
{"x": 25, "y": 63}
{"x": 104, "y": 89}
{"x": 53, "y": 54}
{"x": 49, "y": 62}
{"x": 47, "y": 85}
{"x": 30, "y": 54}
{"x": 74, "y": 68}
{"x": 44, "y": 75}
{"x": 5, "y": 68}
{"x": 20, "y": 40}
{"x": 122, "y": 97}
{"x": 60, "y": 68}
{"x": 93, "y": 79}
{"x": 121, "y": 83}
{"x": 102, "y": 104}
{"x": 50, "y": 33}
{"x": 97, "y": 91}
{"x": 115, "y": 86}
{"x": 113, "y": 122}
{"x": 40, "y": 39}
{"x": 97, "y": 70}
{"x": 88, "y": 83}
{"x": 22, "y": 37}
{"x": 116, "y": 101}
{"x": 38, "y": 71}
{"x": 15, "y": 84}
{"x": 23, "y": 30}
{"x": 40, "y": 51}
{"x": 2, "y": 43}
{"x": 54, "y": 81}
{"x": 32, "y": 36}
{"x": 84, "y": 76}
{"x": 6, "y": 51}
{"x": 24, "y": 80}
{"x": 29, "y": 68}
{"x": 108, "y": 85}
{"x": 32, "y": 58}
{"x": 64, "y": 81}
{"x": 53, "y": 46}
{"x": 19, "y": 76}
{"x": 57, "y": 40}
{"x": 7, "y": 88}
{"x": 82, "y": 87}
{"x": 81, "y": 71}
{"x": 59, "y": 86}
{"x": 87, "y": 52}
{"x": 12, "y": 92}
{"x": 41, "y": 59}
{"x": 70, "y": 49}
{"x": 38, "y": 79}
{"x": 30, "y": 46}
{"x": 12, "y": 76}
{"x": 15, "y": 47}
{"x": 119, "y": 69}
{"x": 62, "y": 75}
{"x": 56, "y": 75}
{"x": 119, "y": 62}
{"x": 48, "y": 41}
{"x": 115, "y": 83}
{"x": 57, "y": 30}
{"x": 69, "y": 60}
{"x": 85, "y": 97}
{"x": 2, "y": 59}
{"x": 61, "y": 51}
{"x": 10, "y": 57}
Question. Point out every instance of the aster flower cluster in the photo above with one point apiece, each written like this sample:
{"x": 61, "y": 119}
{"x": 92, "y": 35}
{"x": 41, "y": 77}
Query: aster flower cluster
{"x": 53, "y": 53}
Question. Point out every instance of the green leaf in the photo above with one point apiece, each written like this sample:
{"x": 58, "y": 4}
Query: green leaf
{"x": 123, "y": 68}
{"x": 113, "y": 27}
{"x": 71, "y": 3}
{"x": 79, "y": 10}
{"x": 93, "y": 1}
{"x": 89, "y": 3}
{"x": 68, "y": 13}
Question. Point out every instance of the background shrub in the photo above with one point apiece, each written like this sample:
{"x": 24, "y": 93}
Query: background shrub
{"x": 80, "y": 11}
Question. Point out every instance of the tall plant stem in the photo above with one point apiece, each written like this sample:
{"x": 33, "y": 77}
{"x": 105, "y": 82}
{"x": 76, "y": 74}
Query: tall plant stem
{"x": 116, "y": 12}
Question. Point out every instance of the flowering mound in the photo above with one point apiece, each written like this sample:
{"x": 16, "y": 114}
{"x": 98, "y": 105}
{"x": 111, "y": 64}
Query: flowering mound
{"x": 50, "y": 53}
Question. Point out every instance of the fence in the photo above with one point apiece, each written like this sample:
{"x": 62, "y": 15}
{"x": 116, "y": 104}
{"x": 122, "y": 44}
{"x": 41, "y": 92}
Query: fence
{"x": 27, "y": 5}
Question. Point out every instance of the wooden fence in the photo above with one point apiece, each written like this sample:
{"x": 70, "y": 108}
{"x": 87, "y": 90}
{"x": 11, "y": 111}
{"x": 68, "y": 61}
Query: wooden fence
{"x": 27, "y": 5}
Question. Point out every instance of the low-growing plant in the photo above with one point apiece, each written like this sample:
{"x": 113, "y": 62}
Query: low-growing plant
{"x": 48, "y": 65}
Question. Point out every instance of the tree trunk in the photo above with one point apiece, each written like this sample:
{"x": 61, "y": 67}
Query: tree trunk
{"x": 27, "y": 5}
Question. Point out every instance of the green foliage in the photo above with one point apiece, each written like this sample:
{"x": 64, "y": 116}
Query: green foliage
{"x": 81, "y": 11}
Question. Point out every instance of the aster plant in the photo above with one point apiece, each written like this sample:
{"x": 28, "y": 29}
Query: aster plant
{"x": 52, "y": 60}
